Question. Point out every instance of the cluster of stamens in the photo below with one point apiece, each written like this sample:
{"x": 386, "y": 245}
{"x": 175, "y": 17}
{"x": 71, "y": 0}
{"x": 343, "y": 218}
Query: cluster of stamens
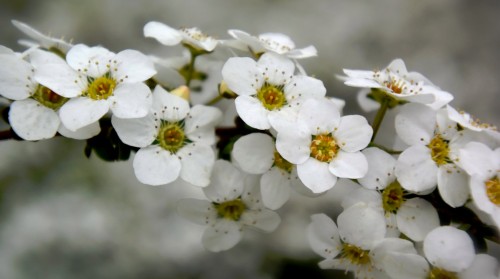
{"x": 324, "y": 147}
{"x": 439, "y": 150}
{"x": 231, "y": 210}
{"x": 493, "y": 190}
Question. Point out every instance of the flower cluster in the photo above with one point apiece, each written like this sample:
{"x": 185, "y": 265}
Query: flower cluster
{"x": 414, "y": 209}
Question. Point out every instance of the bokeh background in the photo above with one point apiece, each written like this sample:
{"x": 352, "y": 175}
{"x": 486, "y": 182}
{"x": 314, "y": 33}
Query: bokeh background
{"x": 65, "y": 216}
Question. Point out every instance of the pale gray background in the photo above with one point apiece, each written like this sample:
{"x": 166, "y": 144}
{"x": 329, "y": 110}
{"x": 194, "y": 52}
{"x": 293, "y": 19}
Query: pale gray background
{"x": 64, "y": 216}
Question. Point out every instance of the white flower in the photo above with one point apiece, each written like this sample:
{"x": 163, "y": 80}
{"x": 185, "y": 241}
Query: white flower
{"x": 483, "y": 165}
{"x": 42, "y": 40}
{"x": 33, "y": 114}
{"x": 275, "y": 42}
{"x": 358, "y": 244}
{"x": 414, "y": 217}
{"x": 467, "y": 121}
{"x": 450, "y": 253}
{"x": 98, "y": 80}
{"x": 432, "y": 155}
{"x": 256, "y": 154}
{"x": 175, "y": 140}
{"x": 267, "y": 87}
{"x": 235, "y": 203}
{"x": 395, "y": 81}
{"x": 169, "y": 36}
{"x": 324, "y": 145}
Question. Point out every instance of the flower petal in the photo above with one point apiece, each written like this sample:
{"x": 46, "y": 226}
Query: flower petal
{"x": 92, "y": 61}
{"x": 449, "y": 248}
{"x": 226, "y": 183}
{"x": 138, "y": 132}
{"x": 131, "y": 100}
{"x": 132, "y": 66}
{"x": 264, "y": 219}
{"x": 16, "y": 77}
{"x": 254, "y": 153}
{"x": 349, "y": 165}
{"x": 156, "y": 166}
{"x": 323, "y": 236}
{"x": 168, "y": 106}
{"x": 415, "y": 124}
{"x": 354, "y": 133}
{"x": 250, "y": 109}
{"x": 275, "y": 188}
{"x": 304, "y": 87}
{"x": 197, "y": 161}
{"x": 320, "y": 115}
{"x": 242, "y": 75}
{"x": 81, "y": 111}
{"x": 361, "y": 225}
{"x": 415, "y": 169}
{"x": 453, "y": 185}
{"x": 381, "y": 167}
{"x": 85, "y": 132}
{"x": 199, "y": 126}
{"x": 277, "y": 69}
{"x": 163, "y": 33}
{"x": 316, "y": 175}
{"x": 416, "y": 218}
{"x": 224, "y": 235}
{"x": 33, "y": 121}
{"x": 201, "y": 212}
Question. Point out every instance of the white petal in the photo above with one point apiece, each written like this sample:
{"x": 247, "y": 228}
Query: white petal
{"x": 254, "y": 153}
{"x": 484, "y": 266}
{"x": 294, "y": 146}
{"x": 162, "y": 33}
{"x": 320, "y": 115}
{"x": 57, "y": 75}
{"x": 275, "y": 188}
{"x": 369, "y": 197}
{"x": 199, "y": 126}
{"x": 349, "y": 165}
{"x": 367, "y": 104}
{"x": 33, "y": 121}
{"x": 226, "y": 183}
{"x": 44, "y": 40}
{"x": 201, "y": 212}
{"x": 305, "y": 52}
{"x": 197, "y": 161}
{"x": 131, "y": 100}
{"x": 224, "y": 235}
{"x": 138, "y": 132}
{"x": 304, "y": 87}
{"x": 251, "y": 195}
{"x": 277, "y": 69}
{"x": 242, "y": 75}
{"x": 85, "y": 132}
{"x": 416, "y": 218}
{"x": 81, "y": 111}
{"x": 449, "y": 248}
{"x": 156, "y": 166}
{"x": 16, "y": 77}
{"x": 476, "y": 158}
{"x": 415, "y": 124}
{"x": 250, "y": 109}
{"x": 408, "y": 266}
{"x": 453, "y": 185}
{"x": 354, "y": 133}
{"x": 479, "y": 195}
{"x": 168, "y": 106}
{"x": 92, "y": 61}
{"x": 415, "y": 169}
{"x": 442, "y": 98}
{"x": 361, "y": 225}
{"x": 387, "y": 246}
{"x": 132, "y": 66}
{"x": 380, "y": 169}
{"x": 265, "y": 220}
{"x": 361, "y": 82}
{"x": 316, "y": 175}
{"x": 323, "y": 236}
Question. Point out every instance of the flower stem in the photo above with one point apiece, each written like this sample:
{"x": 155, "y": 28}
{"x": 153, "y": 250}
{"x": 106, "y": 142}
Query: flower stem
{"x": 214, "y": 101}
{"x": 190, "y": 72}
{"x": 384, "y": 105}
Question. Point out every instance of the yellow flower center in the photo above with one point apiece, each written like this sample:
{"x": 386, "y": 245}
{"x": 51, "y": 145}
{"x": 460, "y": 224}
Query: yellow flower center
{"x": 355, "y": 255}
{"x": 230, "y": 210}
{"x": 395, "y": 85}
{"x": 271, "y": 97}
{"x": 438, "y": 273}
{"x": 439, "y": 150}
{"x": 392, "y": 197}
{"x": 49, "y": 98}
{"x": 324, "y": 147}
{"x": 281, "y": 163}
{"x": 493, "y": 190}
{"x": 171, "y": 137}
{"x": 101, "y": 88}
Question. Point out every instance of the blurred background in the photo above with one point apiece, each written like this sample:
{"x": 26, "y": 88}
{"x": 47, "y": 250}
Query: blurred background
{"x": 65, "y": 216}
